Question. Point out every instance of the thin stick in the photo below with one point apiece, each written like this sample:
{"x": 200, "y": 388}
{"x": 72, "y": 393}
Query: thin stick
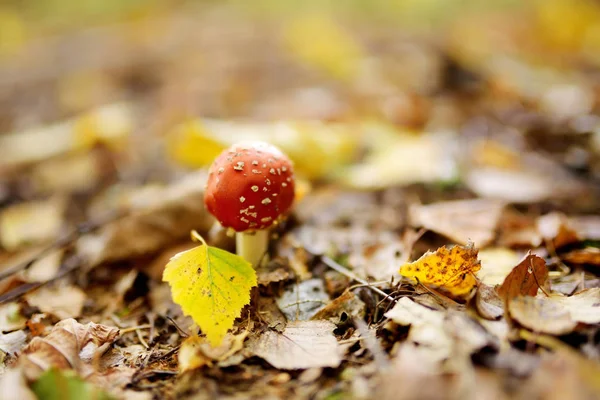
{"x": 142, "y": 341}
{"x": 345, "y": 271}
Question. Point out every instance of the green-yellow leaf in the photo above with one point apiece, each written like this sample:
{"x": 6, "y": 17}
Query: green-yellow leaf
{"x": 212, "y": 286}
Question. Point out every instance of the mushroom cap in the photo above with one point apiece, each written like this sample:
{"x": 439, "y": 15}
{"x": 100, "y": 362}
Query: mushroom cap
{"x": 250, "y": 185}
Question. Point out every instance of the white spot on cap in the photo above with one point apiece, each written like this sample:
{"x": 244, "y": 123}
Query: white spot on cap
{"x": 239, "y": 166}
{"x": 265, "y": 219}
{"x": 288, "y": 179}
{"x": 266, "y": 201}
{"x": 274, "y": 195}
{"x": 254, "y": 188}
{"x": 221, "y": 170}
{"x": 283, "y": 184}
{"x": 272, "y": 171}
{"x": 268, "y": 181}
{"x": 242, "y": 199}
{"x": 251, "y": 207}
{"x": 245, "y": 220}
{"x": 256, "y": 171}
{"x": 254, "y": 162}
{"x": 284, "y": 168}
{"x": 265, "y": 189}
{"x": 278, "y": 171}
{"x": 264, "y": 165}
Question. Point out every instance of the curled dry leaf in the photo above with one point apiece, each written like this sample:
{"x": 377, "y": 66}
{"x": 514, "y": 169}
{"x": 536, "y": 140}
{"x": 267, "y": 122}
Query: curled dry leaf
{"x": 303, "y": 344}
{"x": 463, "y": 221}
{"x": 451, "y": 268}
{"x": 525, "y": 279}
{"x": 69, "y": 345}
{"x": 487, "y": 302}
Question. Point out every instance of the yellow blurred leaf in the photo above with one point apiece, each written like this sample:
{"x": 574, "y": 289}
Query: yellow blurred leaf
{"x": 316, "y": 40}
{"x": 212, "y": 286}
{"x": 189, "y": 144}
{"x": 451, "y": 268}
{"x": 316, "y": 148}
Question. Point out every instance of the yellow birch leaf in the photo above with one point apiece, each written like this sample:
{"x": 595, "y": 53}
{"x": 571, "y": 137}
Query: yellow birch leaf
{"x": 212, "y": 286}
{"x": 451, "y": 268}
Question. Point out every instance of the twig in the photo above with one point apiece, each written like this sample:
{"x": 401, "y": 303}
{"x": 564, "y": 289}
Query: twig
{"x": 345, "y": 271}
{"x": 134, "y": 328}
{"x": 142, "y": 341}
{"x": 181, "y": 331}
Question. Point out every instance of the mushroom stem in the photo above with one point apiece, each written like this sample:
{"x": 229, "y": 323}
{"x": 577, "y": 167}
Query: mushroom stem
{"x": 252, "y": 246}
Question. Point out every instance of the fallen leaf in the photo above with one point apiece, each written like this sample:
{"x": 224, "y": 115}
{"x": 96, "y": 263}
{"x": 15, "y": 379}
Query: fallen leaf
{"x": 496, "y": 264}
{"x": 13, "y": 386}
{"x": 487, "y": 302}
{"x": 341, "y": 309}
{"x": 555, "y": 228}
{"x": 11, "y": 318}
{"x": 463, "y": 221}
{"x": 541, "y": 315}
{"x": 404, "y": 160}
{"x": 451, "y": 268}
{"x": 196, "y": 352}
{"x": 525, "y": 279}
{"x": 303, "y": 344}
{"x": 586, "y": 256}
{"x": 159, "y": 219}
{"x": 109, "y": 124}
{"x": 55, "y": 384}
{"x": 69, "y": 345}
{"x": 13, "y": 342}
{"x": 60, "y": 300}
{"x": 437, "y": 331}
{"x": 32, "y": 222}
{"x": 300, "y": 301}
{"x": 212, "y": 286}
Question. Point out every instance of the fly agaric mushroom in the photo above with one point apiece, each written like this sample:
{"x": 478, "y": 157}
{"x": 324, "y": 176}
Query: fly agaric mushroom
{"x": 250, "y": 186}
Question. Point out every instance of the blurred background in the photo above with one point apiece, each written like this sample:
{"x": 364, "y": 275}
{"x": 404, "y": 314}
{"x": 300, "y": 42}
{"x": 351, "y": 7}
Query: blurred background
{"x": 499, "y": 98}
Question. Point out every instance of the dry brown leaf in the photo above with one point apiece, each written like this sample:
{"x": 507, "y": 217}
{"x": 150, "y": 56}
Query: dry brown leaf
{"x": 303, "y": 344}
{"x": 69, "y": 345}
{"x": 62, "y": 301}
{"x": 155, "y": 221}
{"x": 556, "y": 228}
{"x": 541, "y": 315}
{"x": 525, "y": 279}
{"x": 587, "y": 256}
{"x": 196, "y": 352}
{"x": 463, "y": 221}
{"x": 346, "y": 306}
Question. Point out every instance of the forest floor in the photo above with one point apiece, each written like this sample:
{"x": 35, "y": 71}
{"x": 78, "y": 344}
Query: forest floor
{"x": 444, "y": 241}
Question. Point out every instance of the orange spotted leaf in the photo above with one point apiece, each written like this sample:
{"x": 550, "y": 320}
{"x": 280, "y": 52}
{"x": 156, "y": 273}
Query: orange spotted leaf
{"x": 451, "y": 268}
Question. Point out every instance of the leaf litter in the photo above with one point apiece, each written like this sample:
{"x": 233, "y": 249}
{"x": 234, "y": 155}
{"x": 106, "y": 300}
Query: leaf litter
{"x": 444, "y": 241}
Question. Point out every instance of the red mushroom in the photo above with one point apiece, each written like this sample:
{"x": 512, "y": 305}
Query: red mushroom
{"x": 250, "y": 187}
